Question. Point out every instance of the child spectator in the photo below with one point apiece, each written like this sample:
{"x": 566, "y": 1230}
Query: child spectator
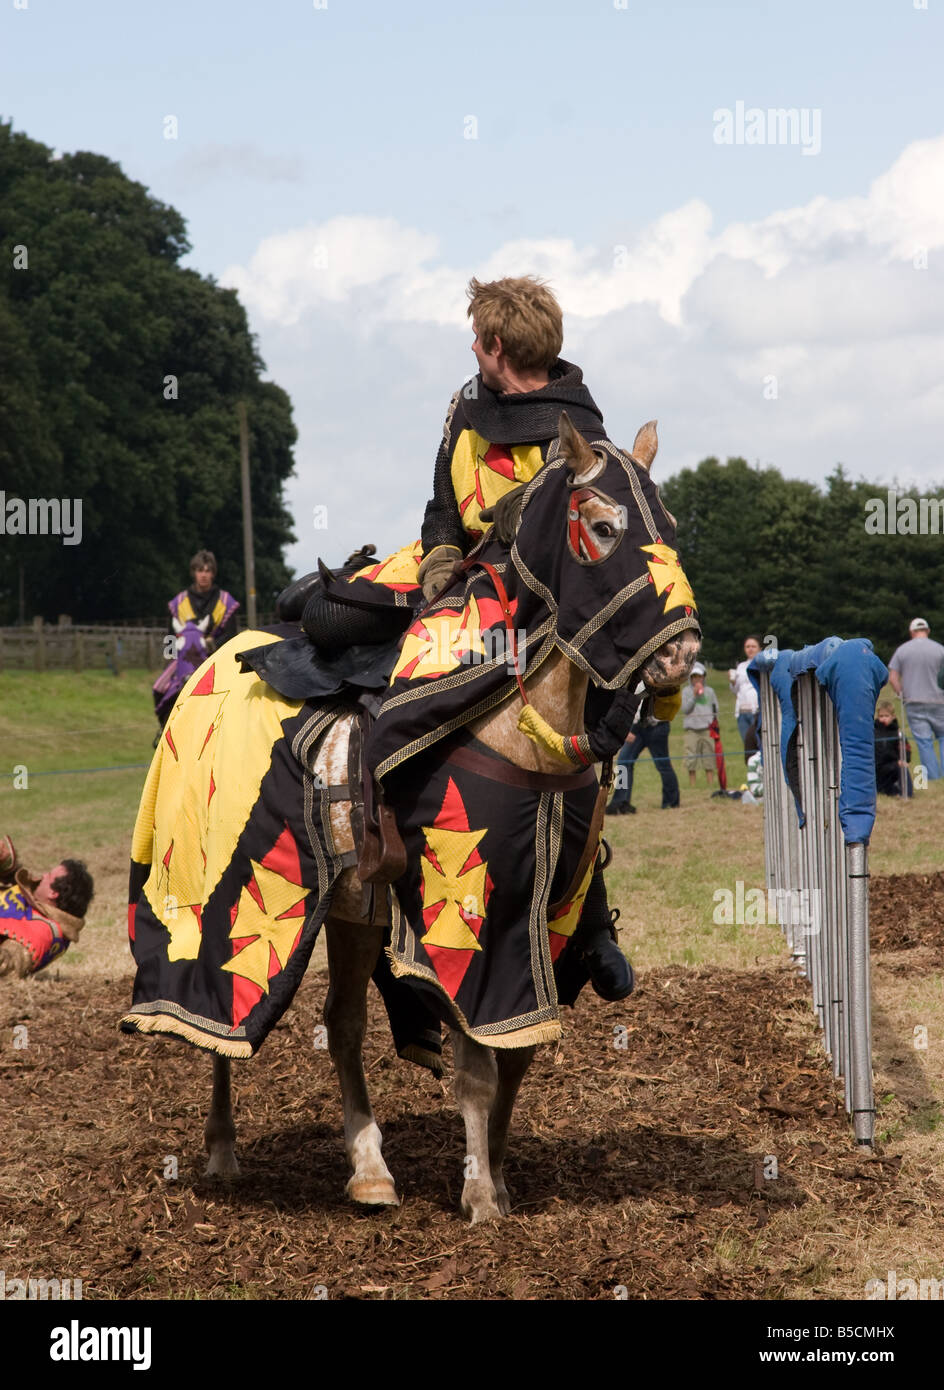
{"x": 890, "y": 767}
{"x": 39, "y": 917}
{"x": 699, "y": 708}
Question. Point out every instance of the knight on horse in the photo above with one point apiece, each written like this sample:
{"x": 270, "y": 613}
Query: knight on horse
{"x": 498, "y": 429}
{"x": 475, "y": 677}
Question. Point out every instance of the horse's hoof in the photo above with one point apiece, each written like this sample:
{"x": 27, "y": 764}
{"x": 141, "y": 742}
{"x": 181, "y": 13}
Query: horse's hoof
{"x": 373, "y": 1192}
{"x": 482, "y": 1211}
{"x": 222, "y": 1165}
{"x": 503, "y": 1200}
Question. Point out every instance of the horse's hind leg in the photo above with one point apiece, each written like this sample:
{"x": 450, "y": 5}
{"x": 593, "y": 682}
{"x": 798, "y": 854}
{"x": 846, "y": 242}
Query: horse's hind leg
{"x": 220, "y": 1132}
{"x": 476, "y": 1087}
{"x": 512, "y": 1064}
{"x": 352, "y": 954}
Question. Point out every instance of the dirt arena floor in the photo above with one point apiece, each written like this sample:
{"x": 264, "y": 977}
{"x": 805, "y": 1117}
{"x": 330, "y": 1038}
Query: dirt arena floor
{"x": 688, "y": 1143}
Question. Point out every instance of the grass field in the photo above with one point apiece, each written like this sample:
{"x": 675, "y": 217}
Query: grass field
{"x": 667, "y": 868}
{"x": 667, "y": 865}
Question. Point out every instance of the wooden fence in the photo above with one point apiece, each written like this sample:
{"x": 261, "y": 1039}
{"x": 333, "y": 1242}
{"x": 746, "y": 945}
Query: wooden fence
{"x": 114, "y": 647}
{"x": 81, "y": 648}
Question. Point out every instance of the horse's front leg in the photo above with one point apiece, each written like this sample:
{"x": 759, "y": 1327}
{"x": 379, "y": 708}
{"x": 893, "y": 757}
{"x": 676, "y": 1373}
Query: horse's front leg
{"x": 352, "y": 954}
{"x": 220, "y": 1133}
{"x": 512, "y": 1064}
{"x": 476, "y": 1086}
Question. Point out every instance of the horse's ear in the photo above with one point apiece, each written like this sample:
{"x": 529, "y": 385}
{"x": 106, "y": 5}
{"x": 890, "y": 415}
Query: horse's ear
{"x": 646, "y": 444}
{"x": 586, "y": 465}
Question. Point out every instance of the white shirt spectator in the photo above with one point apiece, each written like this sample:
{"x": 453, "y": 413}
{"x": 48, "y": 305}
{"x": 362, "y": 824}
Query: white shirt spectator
{"x": 745, "y": 696}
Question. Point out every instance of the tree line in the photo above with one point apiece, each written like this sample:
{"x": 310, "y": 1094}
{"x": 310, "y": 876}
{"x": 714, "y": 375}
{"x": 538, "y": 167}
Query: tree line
{"x": 768, "y": 554}
{"x": 121, "y": 370}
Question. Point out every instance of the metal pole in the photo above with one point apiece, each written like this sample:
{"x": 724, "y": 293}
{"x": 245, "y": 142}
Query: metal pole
{"x": 902, "y": 767}
{"x": 249, "y": 562}
{"x": 807, "y": 844}
{"x": 822, "y": 713}
{"x": 863, "y": 1102}
{"x": 831, "y": 918}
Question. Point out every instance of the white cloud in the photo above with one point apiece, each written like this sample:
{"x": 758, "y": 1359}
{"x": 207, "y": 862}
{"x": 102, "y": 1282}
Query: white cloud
{"x": 363, "y": 322}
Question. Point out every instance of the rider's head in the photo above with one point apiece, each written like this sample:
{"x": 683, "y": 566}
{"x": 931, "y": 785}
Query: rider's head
{"x": 518, "y": 326}
{"x": 203, "y": 569}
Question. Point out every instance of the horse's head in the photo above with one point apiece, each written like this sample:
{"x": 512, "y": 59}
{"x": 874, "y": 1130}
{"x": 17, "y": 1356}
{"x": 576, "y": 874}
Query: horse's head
{"x": 596, "y": 544}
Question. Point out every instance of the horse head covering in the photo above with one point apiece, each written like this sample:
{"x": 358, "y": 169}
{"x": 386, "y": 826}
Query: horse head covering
{"x": 596, "y": 550}
{"x": 592, "y": 572}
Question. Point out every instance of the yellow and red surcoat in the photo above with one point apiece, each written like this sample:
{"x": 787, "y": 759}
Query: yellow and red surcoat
{"x": 481, "y": 474}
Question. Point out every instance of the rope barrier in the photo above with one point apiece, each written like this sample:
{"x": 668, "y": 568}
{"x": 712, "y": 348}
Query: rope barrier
{"x": 77, "y": 771}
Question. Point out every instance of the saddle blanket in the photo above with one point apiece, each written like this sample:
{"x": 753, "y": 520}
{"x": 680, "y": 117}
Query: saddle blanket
{"x": 232, "y": 863}
{"x": 488, "y": 903}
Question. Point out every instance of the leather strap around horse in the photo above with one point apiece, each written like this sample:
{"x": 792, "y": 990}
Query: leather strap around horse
{"x": 500, "y": 770}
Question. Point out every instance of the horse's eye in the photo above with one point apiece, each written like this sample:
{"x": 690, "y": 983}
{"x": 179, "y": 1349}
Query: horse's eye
{"x": 603, "y": 528}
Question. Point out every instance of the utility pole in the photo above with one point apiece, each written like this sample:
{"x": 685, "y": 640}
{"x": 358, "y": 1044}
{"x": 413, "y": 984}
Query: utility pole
{"x": 249, "y": 562}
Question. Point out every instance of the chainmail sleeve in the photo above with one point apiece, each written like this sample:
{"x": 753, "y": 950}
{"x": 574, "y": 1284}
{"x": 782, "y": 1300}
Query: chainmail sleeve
{"x": 334, "y": 626}
{"x": 442, "y": 524}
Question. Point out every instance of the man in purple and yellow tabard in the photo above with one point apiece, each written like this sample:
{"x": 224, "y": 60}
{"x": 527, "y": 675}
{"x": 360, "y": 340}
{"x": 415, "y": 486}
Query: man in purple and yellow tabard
{"x": 39, "y": 917}
{"x": 201, "y": 619}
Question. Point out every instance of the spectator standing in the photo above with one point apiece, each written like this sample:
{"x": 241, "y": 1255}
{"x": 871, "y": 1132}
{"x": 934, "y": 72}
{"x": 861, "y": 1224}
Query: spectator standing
{"x": 699, "y": 708}
{"x": 914, "y": 673}
{"x": 654, "y": 735}
{"x": 745, "y": 696}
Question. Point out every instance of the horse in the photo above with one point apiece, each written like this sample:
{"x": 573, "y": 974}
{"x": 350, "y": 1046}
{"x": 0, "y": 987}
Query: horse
{"x": 487, "y": 1078}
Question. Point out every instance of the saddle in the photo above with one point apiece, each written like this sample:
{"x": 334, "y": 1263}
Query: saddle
{"x": 381, "y": 854}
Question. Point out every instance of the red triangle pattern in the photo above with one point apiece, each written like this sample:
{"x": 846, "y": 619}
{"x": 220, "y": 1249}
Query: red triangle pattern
{"x": 246, "y": 996}
{"x": 499, "y": 459}
{"x": 450, "y": 965}
{"x": 283, "y": 858}
{"x": 204, "y": 685}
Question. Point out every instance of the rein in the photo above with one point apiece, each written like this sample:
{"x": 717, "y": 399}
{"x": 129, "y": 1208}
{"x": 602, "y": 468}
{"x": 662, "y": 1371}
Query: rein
{"x": 505, "y": 605}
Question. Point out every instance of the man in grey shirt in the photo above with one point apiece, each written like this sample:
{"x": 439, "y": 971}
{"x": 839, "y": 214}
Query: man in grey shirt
{"x": 913, "y": 672}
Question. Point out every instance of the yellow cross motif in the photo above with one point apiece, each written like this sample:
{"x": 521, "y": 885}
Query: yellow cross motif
{"x": 446, "y": 644}
{"x": 452, "y": 887}
{"x": 271, "y": 927}
{"x": 669, "y": 577}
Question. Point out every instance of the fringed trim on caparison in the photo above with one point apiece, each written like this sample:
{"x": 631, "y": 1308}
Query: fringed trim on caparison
{"x": 550, "y": 1031}
{"x": 431, "y": 1060}
{"x": 166, "y": 1023}
{"x": 545, "y": 1032}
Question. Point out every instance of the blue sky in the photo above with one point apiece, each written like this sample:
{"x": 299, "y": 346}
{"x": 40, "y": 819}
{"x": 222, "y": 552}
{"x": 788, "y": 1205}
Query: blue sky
{"x": 344, "y": 127}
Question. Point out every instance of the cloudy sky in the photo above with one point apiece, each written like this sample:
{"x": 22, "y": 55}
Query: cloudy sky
{"x": 766, "y": 286}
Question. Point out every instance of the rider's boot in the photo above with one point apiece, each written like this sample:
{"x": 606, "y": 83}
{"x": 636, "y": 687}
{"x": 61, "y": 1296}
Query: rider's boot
{"x": 595, "y": 938}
